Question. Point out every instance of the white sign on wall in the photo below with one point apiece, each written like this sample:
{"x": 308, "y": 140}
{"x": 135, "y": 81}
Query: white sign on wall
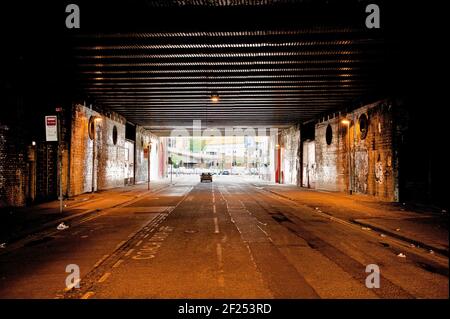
{"x": 51, "y": 128}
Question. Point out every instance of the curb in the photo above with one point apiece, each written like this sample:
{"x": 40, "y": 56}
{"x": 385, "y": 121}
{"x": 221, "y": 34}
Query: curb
{"x": 417, "y": 243}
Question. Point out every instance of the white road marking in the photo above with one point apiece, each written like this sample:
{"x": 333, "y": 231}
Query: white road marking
{"x": 151, "y": 247}
{"x": 87, "y": 295}
{"x": 117, "y": 264}
{"x": 129, "y": 252}
{"x": 104, "y": 277}
{"x": 214, "y": 209}
{"x": 120, "y": 244}
{"x": 216, "y": 225}
{"x": 100, "y": 261}
{"x": 138, "y": 243}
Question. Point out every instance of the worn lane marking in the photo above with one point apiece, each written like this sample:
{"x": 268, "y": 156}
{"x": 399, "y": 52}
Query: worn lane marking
{"x": 120, "y": 244}
{"x": 219, "y": 254}
{"x": 95, "y": 273}
{"x": 104, "y": 277}
{"x": 153, "y": 244}
{"x": 129, "y": 252}
{"x": 72, "y": 285}
{"x": 216, "y": 225}
{"x": 221, "y": 281}
{"x": 87, "y": 295}
{"x": 117, "y": 264}
{"x": 220, "y": 278}
{"x": 100, "y": 261}
{"x": 138, "y": 243}
{"x": 214, "y": 209}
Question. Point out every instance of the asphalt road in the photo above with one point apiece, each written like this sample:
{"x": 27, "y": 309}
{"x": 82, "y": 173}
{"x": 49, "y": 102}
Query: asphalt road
{"x": 226, "y": 239}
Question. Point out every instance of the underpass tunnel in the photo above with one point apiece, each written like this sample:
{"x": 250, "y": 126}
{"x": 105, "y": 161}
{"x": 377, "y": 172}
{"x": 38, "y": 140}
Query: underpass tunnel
{"x": 336, "y": 95}
{"x": 273, "y": 149}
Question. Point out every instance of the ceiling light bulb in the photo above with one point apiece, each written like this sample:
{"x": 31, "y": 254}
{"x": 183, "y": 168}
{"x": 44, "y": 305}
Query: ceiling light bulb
{"x": 215, "y": 97}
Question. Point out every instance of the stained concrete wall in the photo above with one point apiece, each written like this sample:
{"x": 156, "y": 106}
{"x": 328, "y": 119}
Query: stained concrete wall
{"x": 308, "y": 155}
{"x": 143, "y": 138}
{"x": 272, "y": 158}
{"x": 366, "y": 164}
{"x": 290, "y": 165}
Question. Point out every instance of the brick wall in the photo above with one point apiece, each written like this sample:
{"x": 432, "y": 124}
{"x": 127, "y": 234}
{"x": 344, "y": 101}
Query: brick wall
{"x": 330, "y": 159}
{"x": 80, "y": 151}
{"x": 373, "y": 156}
{"x": 111, "y": 157}
{"x": 372, "y": 163}
{"x": 13, "y": 167}
{"x": 28, "y": 173}
{"x": 109, "y": 163}
{"x": 46, "y": 171}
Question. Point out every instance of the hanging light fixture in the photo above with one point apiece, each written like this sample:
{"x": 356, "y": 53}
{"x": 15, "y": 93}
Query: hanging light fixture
{"x": 215, "y": 97}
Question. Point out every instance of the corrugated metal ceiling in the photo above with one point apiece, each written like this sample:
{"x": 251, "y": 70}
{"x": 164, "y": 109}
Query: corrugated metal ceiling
{"x": 265, "y": 76}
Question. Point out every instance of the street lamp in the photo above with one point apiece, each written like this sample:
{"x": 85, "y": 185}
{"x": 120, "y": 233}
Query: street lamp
{"x": 347, "y": 122}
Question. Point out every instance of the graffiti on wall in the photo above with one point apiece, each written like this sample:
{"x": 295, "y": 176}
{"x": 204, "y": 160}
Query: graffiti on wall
{"x": 361, "y": 171}
{"x": 379, "y": 172}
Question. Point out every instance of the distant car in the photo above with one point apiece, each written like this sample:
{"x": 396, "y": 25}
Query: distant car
{"x": 205, "y": 177}
{"x": 225, "y": 173}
